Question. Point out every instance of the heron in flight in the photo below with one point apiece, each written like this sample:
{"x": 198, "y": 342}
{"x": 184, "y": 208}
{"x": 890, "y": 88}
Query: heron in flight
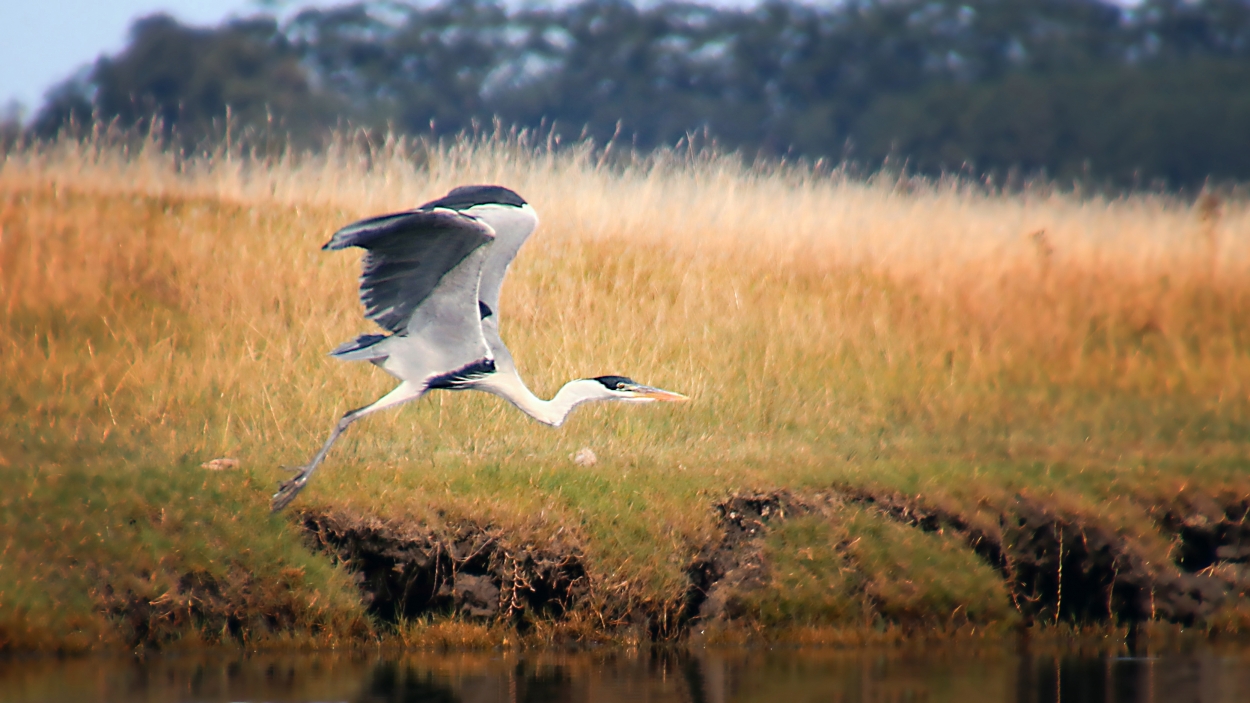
{"x": 431, "y": 277}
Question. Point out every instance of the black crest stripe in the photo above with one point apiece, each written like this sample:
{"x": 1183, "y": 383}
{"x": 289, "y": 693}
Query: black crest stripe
{"x": 614, "y": 383}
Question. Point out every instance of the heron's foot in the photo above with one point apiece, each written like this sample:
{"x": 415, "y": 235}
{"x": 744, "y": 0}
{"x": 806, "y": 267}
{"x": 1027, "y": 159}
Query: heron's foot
{"x": 287, "y": 490}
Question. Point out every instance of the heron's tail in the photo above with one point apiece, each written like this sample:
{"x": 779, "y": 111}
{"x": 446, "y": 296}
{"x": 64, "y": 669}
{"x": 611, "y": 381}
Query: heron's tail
{"x": 363, "y": 348}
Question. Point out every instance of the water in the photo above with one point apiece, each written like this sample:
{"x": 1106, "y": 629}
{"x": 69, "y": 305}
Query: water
{"x": 658, "y": 676}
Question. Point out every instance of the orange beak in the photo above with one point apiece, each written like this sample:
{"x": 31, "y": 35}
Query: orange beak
{"x": 659, "y": 394}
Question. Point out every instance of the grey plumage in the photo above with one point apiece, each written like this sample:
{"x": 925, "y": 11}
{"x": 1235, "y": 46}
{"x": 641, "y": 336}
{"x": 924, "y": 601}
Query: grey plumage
{"x": 408, "y": 254}
{"x": 432, "y": 277}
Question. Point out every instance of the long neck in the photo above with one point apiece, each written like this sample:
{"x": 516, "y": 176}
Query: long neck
{"x": 549, "y": 412}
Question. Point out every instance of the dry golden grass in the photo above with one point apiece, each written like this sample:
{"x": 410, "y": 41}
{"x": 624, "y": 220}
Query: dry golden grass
{"x": 158, "y": 313}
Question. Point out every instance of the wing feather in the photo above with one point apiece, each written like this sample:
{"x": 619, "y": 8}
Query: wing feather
{"x": 513, "y": 225}
{"x": 407, "y": 254}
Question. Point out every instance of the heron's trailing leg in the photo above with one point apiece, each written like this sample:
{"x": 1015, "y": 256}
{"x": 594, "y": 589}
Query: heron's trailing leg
{"x": 289, "y": 489}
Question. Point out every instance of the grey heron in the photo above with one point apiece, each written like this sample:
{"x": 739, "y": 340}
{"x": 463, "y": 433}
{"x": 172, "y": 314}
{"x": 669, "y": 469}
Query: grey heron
{"x": 431, "y": 278}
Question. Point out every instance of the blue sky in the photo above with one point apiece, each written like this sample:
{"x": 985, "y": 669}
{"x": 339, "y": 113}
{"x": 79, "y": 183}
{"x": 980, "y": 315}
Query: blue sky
{"x": 44, "y": 41}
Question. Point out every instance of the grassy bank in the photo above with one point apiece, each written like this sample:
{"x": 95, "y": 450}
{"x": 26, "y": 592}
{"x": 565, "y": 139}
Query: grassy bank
{"x": 968, "y": 351}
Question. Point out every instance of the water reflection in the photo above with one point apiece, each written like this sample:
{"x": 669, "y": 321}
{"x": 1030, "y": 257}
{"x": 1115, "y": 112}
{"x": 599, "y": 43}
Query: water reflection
{"x": 657, "y": 676}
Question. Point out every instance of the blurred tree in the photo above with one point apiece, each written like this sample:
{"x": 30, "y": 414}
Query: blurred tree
{"x": 181, "y": 81}
{"x": 404, "y": 65}
{"x": 1180, "y": 124}
{"x": 10, "y": 125}
{"x": 1056, "y": 86}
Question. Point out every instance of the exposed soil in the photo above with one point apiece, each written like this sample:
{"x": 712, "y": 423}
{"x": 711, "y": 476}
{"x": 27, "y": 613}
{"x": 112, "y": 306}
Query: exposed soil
{"x": 215, "y": 609}
{"x": 1069, "y": 568}
{"x": 1057, "y": 567}
{"x": 405, "y": 572}
{"x": 468, "y": 569}
{"x": 736, "y": 562}
{"x": 1211, "y": 535}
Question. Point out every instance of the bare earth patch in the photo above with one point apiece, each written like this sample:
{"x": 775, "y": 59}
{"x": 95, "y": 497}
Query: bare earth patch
{"x": 1056, "y": 567}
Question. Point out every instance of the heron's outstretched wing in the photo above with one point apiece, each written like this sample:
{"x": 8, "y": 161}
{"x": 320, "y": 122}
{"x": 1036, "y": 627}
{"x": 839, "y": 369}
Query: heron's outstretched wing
{"x": 512, "y": 226}
{"x": 512, "y": 220}
{"x": 408, "y": 254}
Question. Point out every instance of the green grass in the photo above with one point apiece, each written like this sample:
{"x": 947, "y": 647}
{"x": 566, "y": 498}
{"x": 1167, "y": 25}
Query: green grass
{"x": 860, "y": 569}
{"x": 812, "y": 582}
{"x": 84, "y": 544}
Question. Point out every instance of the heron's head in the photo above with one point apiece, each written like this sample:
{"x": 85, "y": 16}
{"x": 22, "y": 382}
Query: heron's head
{"x": 626, "y": 389}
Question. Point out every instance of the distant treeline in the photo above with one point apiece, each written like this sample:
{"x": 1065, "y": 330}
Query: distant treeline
{"x": 1154, "y": 92}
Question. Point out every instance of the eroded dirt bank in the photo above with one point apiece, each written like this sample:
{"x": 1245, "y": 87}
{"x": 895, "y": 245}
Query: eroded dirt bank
{"x": 405, "y": 572}
{"x": 848, "y": 557}
{"x": 1055, "y": 566}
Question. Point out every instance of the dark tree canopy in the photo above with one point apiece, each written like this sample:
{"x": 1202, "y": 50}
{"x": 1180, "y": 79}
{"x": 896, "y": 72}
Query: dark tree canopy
{"x": 1061, "y": 87}
{"x": 186, "y": 77}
